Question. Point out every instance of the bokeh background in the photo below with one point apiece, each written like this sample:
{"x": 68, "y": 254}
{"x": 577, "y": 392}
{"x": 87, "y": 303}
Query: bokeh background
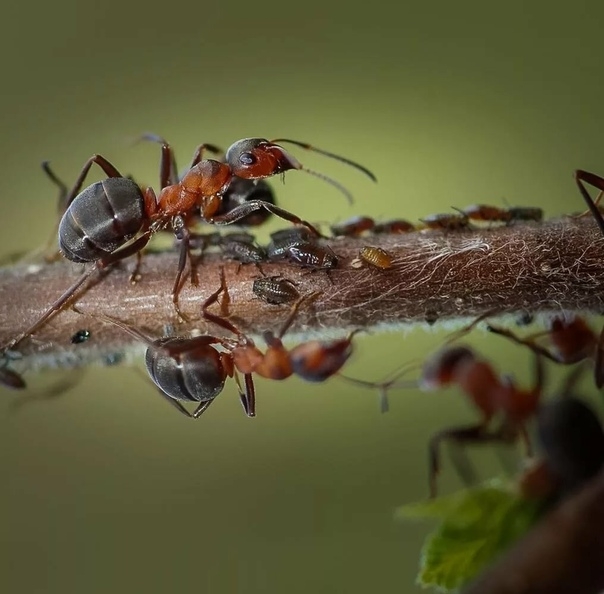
{"x": 107, "y": 489}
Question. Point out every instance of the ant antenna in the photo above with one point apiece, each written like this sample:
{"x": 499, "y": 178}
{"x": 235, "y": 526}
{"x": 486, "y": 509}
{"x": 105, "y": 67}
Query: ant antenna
{"x": 309, "y": 147}
{"x": 330, "y": 181}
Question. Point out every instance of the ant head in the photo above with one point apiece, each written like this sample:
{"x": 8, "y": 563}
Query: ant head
{"x": 440, "y": 369}
{"x": 255, "y": 158}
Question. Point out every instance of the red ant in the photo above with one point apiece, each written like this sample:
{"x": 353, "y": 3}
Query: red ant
{"x": 494, "y": 397}
{"x": 193, "y": 370}
{"x": 571, "y": 340}
{"x": 115, "y": 218}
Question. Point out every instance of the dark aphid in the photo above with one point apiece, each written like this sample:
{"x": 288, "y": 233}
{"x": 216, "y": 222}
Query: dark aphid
{"x": 284, "y": 239}
{"x": 312, "y": 255}
{"x": 275, "y": 290}
{"x": 525, "y": 213}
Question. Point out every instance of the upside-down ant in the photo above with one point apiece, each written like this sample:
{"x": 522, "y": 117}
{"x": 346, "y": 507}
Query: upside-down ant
{"x": 115, "y": 218}
{"x": 193, "y": 370}
{"x": 494, "y": 396}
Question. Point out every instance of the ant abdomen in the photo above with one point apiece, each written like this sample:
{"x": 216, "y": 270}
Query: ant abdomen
{"x": 101, "y": 219}
{"x": 193, "y": 376}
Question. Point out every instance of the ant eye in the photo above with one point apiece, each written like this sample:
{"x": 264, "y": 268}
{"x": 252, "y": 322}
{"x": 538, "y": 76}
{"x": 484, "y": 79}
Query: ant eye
{"x": 247, "y": 159}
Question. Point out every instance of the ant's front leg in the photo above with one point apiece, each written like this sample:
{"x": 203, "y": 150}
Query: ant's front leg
{"x": 583, "y": 177}
{"x": 243, "y": 210}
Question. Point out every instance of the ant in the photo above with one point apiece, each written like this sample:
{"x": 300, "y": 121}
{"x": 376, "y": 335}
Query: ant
{"x": 571, "y": 441}
{"x": 115, "y": 218}
{"x": 393, "y": 227}
{"x": 486, "y": 213}
{"x": 571, "y": 340}
{"x": 446, "y": 221}
{"x": 193, "y": 370}
{"x": 495, "y": 398}
{"x": 352, "y": 227}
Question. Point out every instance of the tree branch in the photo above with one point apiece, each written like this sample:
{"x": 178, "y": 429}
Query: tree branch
{"x": 435, "y": 276}
{"x": 563, "y": 553}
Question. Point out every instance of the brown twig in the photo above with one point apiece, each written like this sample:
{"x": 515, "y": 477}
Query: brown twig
{"x": 564, "y": 553}
{"x": 552, "y": 266}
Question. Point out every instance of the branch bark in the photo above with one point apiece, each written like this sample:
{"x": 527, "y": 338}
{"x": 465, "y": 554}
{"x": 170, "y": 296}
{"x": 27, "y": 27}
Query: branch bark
{"x": 551, "y": 266}
{"x": 564, "y": 553}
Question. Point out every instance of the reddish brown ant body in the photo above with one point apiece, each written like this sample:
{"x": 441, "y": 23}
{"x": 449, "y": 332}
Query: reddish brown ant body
{"x": 494, "y": 397}
{"x": 393, "y": 227}
{"x": 353, "y": 227}
{"x": 494, "y": 214}
{"x": 446, "y": 222}
{"x": 115, "y": 218}
{"x": 571, "y": 341}
{"x": 193, "y": 370}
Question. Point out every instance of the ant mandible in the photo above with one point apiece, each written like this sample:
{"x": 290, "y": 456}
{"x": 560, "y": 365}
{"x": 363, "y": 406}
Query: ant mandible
{"x": 115, "y": 218}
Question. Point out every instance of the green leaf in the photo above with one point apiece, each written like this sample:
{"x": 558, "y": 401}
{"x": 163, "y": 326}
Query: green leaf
{"x": 476, "y": 526}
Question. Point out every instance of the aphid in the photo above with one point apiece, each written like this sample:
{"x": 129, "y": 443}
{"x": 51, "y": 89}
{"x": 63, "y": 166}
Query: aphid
{"x": 115, "y": 218}
{"x": 486, "y": 213}
{"x": 353, "y": 226}
{"x": 81, "y": 336}
{"x": 525, "y": 213}
{"x": 446, "y": 222}
{"x": 393, "y": 227}
{"x": 241, "y": 247}
{"x": 275, "y": 290}
{"x": 284, "y": 239}
{"x": 312, "y": 255}
{"x": 376, "y": 256}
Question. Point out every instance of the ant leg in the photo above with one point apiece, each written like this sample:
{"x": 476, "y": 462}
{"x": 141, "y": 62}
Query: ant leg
{"x": 462, "y": 436}
{"x": 201, "y": 408}
{"x": 168, "y": 171}
{"x": 182, "y": 234}
{"x": 250, "y": 395}
{"x": 103, "y": 163}
{"x": 198, "y": 154}
{"x": 220, "y": 321}
{"x": 68, "y": 295}
{"x": 525, "y": 342}
{"x": 245, "y": 209}
{"x": 597, "y": 182}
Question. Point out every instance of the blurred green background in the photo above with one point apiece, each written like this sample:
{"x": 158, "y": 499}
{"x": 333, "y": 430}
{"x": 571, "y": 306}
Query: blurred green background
{"x": 450, "y": 103}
